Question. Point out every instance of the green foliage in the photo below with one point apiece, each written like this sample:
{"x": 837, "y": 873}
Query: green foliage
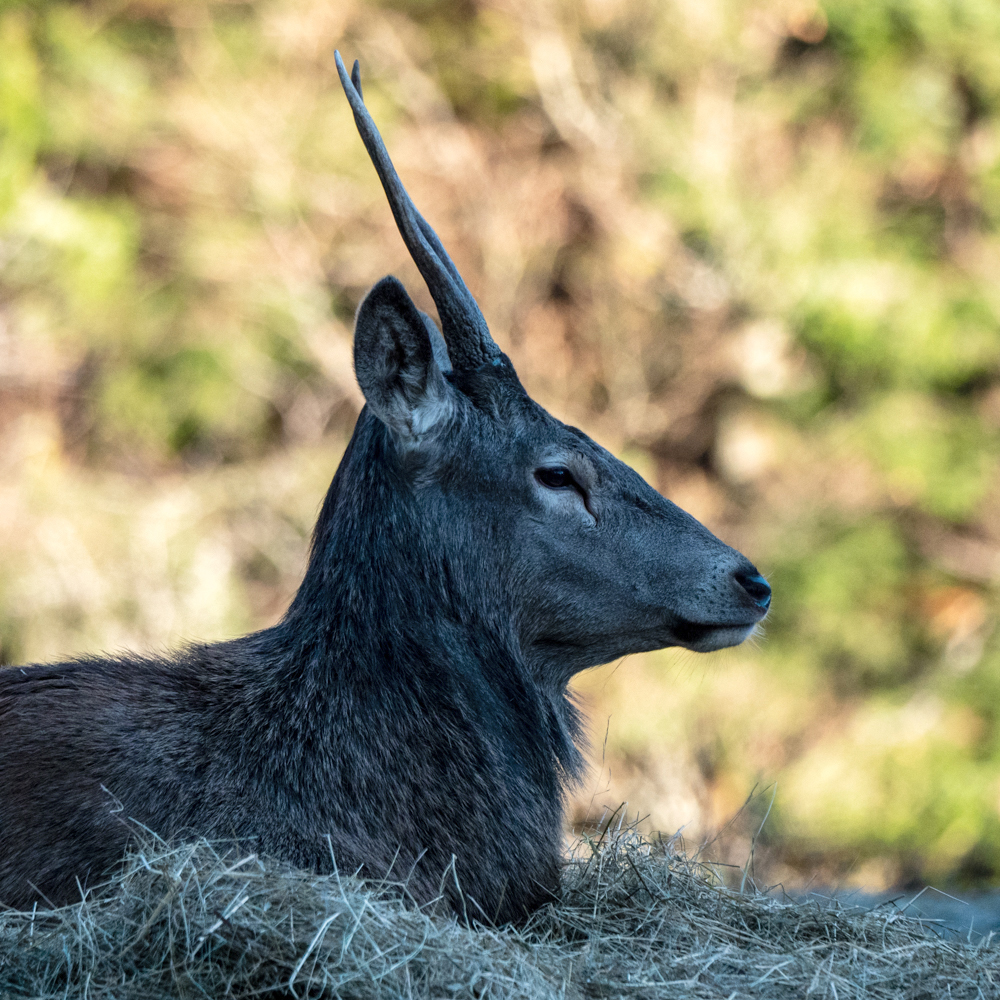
{"x": 854, "y": 575}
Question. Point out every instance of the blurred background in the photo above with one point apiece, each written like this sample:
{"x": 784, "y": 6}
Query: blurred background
{"x": 751, "y": 247}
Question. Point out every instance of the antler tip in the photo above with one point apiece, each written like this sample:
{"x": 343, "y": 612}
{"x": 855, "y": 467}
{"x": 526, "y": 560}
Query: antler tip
{"x": 355, "y": 77}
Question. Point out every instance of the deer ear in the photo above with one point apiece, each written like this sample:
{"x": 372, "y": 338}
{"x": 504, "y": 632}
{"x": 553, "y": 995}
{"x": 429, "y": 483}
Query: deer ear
{"x": 395, "y": 363}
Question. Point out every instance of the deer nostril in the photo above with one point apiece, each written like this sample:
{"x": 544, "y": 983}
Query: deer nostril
{"x": 756, "y": 586}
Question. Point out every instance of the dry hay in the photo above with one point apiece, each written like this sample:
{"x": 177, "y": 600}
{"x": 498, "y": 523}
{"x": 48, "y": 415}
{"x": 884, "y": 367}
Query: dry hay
{"x": 636, "y": 920}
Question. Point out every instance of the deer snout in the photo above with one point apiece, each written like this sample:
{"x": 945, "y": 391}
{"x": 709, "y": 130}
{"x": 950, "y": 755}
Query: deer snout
{"x": 755, "y": 587}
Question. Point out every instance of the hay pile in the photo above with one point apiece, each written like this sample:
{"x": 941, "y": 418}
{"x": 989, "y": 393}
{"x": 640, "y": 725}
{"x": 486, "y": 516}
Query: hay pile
{"x": 635, "y": 921}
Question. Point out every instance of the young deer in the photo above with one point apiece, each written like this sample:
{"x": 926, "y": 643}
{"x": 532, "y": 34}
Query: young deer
{"x": 410, "y": 710}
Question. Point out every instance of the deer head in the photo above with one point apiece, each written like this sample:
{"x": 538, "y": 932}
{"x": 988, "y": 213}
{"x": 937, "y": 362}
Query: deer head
{"x": 534, "y": 532}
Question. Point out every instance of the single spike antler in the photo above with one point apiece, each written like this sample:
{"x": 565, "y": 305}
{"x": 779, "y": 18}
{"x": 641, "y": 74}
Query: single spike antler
{"x": 463, "y": 325}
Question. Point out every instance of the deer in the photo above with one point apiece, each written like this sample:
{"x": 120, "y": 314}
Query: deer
{"x": 409, "y": 717}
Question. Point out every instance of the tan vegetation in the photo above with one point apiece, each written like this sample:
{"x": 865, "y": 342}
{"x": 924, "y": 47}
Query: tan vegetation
{"x": 637, "y": 920}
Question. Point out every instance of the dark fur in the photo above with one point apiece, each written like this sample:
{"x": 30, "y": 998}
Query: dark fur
{"x": 370, "y": 714}
{"x": 409, "y": 714}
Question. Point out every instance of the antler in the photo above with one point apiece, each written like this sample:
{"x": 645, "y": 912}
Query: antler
{"x": 463, "y": 325}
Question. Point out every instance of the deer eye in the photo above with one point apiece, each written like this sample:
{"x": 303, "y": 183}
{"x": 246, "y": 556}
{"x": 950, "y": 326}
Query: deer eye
{"x": 556, "y": 478}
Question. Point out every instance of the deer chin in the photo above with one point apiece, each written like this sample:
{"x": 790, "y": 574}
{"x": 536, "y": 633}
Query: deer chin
{"x": 706, "y": 637}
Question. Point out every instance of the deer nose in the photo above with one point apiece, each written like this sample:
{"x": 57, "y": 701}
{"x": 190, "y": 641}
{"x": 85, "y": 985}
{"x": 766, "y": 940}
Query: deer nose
{"x": 756, "y": 587}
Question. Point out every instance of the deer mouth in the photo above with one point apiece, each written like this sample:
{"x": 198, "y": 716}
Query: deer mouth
{"x": 704, "y": 637}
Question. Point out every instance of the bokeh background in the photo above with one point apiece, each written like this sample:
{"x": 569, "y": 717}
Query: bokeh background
{"x": 751, "y": 247}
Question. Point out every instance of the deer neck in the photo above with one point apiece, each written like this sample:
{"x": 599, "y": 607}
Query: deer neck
{"x": 380, "y": 590}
